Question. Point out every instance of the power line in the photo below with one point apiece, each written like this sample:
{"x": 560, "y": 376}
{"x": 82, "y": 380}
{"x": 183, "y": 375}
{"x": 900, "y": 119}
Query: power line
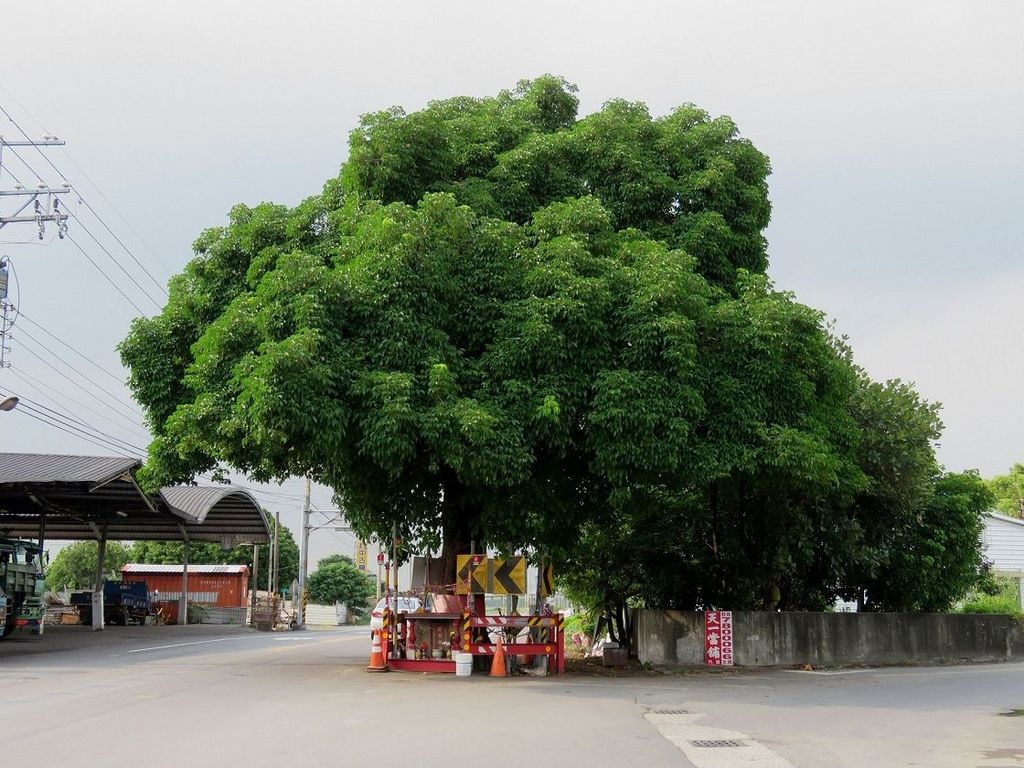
{"x": 24, "y": 162}
{"x": 113, "y": 207}
{"x": 87, "y": 205}
{"x": 22, "y": 108}
{"x": 105, "y": 275}
{"x": 63, "y": 343}
{"x": 33, "y": 241}
{"x": 274, "y": 496}
{"x": 107, "y": 392}
{"x": 61, "y": 373}
{"x": 62, "y": 429}
{"x": 290, "y": 497}
{"x": 156, "y": 282}
{"x": 117, "y": 263}
{"x": 73, "y": 422}
{"x": 57, "y": 396}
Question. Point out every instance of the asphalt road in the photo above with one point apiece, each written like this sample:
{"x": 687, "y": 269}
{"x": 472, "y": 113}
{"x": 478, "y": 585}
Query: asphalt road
{"x": 227, "y": 696}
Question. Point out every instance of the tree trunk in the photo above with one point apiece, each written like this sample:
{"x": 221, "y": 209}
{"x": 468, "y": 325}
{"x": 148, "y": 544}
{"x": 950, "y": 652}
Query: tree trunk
{"x": 628, "y": 625}
{"x": 620, "y": 625}
{"x": 613, "y": 625}
{"x": 456, "y": 531}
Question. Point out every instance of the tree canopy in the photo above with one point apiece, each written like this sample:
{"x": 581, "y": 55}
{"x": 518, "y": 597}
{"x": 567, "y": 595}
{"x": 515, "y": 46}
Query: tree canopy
{"x": 74, "y": 567}
{"x": 506, "y": 324}
{"x": 337, "y": 580}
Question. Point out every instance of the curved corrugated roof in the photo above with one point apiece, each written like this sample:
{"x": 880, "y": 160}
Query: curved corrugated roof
{"x": 195, "y": 502}
{"x": 217, "y": 511}
{"x": 83, "y": 497}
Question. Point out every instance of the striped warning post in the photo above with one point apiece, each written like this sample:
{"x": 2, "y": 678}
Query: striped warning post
{"x": 466, "y": 632}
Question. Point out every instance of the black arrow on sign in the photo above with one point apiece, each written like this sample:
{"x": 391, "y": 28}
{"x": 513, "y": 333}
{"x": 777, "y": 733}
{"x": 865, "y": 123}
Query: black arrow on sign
{"x": 503, "y": 576}
{"x": 481, "y": 578}
{"x": 548, "y": 580}
{"x": 463, "y": 574}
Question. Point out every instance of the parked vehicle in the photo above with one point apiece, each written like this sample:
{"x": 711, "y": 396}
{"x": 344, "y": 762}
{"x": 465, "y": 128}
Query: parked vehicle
{"x": 21, "y": 583}
{"x": 123, "y": 602}
{"x": 405, "y": 605}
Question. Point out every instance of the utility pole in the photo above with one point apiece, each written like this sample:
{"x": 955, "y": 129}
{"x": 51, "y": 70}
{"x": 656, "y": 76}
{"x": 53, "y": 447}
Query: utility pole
{"x": 300, "y": 611}
{"x": 41, "y": 212}
{"x": 8, "y": 314}
{"x": 335, "y": 521}
{"x": 44, "y": 204}
{"x": 277, "y": 552}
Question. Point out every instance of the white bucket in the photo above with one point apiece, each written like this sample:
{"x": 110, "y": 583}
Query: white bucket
{"x": 463, "y": 664}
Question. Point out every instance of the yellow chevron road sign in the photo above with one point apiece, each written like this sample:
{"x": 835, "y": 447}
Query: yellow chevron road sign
{"x": 497, "y": 576}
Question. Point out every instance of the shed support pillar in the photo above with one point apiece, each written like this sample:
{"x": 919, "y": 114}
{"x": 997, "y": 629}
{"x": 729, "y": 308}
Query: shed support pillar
{"x": 97, "y": 592}
{"x": 255, "y": 581}
{"x": 183, "y": 603}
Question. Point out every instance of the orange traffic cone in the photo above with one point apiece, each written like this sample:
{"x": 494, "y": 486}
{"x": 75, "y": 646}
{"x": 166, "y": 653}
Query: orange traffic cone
{"x": 498, "y": 665}
{"x": 377, "y": 663}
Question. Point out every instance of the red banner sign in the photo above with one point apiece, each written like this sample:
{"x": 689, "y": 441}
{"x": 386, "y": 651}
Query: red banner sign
{"x": 718, "y": 638}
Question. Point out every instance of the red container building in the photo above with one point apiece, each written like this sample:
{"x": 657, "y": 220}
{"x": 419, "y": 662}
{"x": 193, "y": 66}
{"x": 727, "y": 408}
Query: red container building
{"x": 222, "y": 586}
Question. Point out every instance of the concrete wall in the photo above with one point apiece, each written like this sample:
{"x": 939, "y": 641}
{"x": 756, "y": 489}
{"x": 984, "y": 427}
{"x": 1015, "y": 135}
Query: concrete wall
{"x": 832, "y": 639}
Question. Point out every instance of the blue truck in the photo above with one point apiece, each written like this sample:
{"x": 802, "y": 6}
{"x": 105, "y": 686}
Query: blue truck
{"x": 124, "y": 602}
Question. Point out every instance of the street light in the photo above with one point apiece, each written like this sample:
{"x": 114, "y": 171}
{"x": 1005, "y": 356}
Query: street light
{"x": 8, "y": 403}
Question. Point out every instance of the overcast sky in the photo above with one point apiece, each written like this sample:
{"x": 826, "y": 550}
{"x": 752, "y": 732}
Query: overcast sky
{"x": 894, "y": 131}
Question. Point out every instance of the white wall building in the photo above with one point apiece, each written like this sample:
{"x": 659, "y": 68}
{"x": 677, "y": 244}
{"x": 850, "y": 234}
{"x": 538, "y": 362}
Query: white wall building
{"x": 1002, "y": 542}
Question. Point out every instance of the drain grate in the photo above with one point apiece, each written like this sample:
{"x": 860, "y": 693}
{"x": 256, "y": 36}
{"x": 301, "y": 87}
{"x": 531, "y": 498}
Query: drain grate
{"x": 713, "y": 743}
{"x": 670, "y": 712}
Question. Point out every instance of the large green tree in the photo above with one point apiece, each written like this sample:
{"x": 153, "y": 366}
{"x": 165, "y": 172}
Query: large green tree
{"x": 458, "y": 332}
{"x": 209, "y": 553}
{"x": 74, "y": 567}
{"x": 508, "y": 324}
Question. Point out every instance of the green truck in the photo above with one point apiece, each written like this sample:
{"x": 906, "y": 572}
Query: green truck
{"x": 21, "y": 586}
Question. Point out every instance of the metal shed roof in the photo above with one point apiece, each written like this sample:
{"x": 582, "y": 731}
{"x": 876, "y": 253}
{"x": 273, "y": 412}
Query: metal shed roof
{"x": 53, "y": 468}
{"x": 83, "y": 497}
{"x": 170, "y": 568}
{"x": 219, "y": 512}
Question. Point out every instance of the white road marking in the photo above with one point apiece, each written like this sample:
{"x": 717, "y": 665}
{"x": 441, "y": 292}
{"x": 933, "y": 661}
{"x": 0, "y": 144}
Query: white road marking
{"x": 194, "y": 642}
{"x": 683, "y": 730}
{"x": 278, "y": 638}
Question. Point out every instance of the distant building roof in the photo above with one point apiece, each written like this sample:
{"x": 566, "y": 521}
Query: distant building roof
{"x": 176, "y": 568}
{"x": 1005, "y": 518}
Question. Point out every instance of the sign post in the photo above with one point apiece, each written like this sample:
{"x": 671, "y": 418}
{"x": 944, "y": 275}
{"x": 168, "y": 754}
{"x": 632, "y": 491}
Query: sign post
{"x": 380, "y": 562}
